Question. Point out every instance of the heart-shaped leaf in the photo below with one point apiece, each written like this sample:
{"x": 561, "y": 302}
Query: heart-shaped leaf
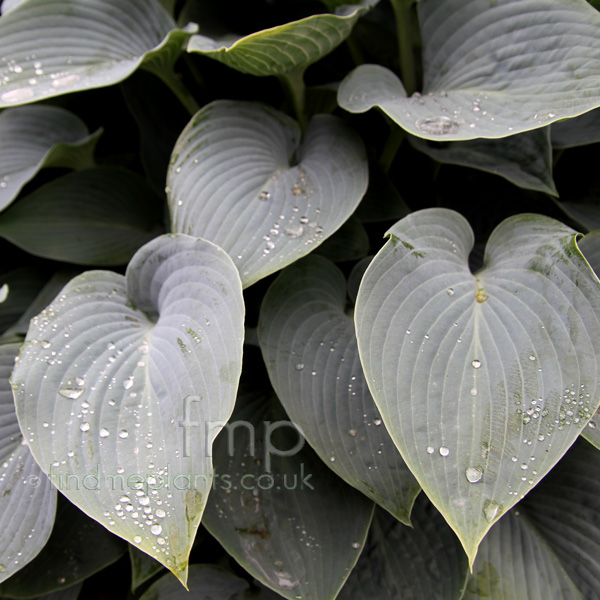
{"x": 241, "y": 178}
{"x": 491, "y": 69}
{"x": 32, "y": 137}
{"x": 547, "y": 547}
{"x": 310, "y": 350}
{"x": 98, "y": 216}
{"x": 485, "y": 380}
{"x": 50, "y": 48}
{"x": 27, "y": 501}
{"x": 579, "y": 131}
{"x": 424, "y": 562}
{"x": 280, "y": 49}
{"x": 277, "y": 509}
{"x": 78, "y": 547}
{"x": 525, "y": 159}
{"x": 127, "y": 371}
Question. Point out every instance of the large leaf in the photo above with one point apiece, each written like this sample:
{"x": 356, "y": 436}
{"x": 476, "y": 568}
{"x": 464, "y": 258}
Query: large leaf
{"x": 241, "y": 178}
{"x": 549, "y": 545}
{"x": 78, "y": 547}
{"x": 32, "y": 137}
{"x": 425, "y": 562}
{"x": 280, "y": 49}
{"x": 127, "y": 371}
{"x": 483, "y": 381}
{"x": 98, "y": 216}
{"x": 310, "y": 350}
{"x": 54, "y": 47}
{"x": 579, "y": 131}
{"x": 276, "y": 508}
{"x": 27, "y": 501}
{"x": 590, "y": 247}
{"x": 491, "y": 69}
{"x": 525, "y": 160}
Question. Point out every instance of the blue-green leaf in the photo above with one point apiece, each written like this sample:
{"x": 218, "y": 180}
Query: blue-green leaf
{"x": 491, "y": 69}
{"x": 134, "y": 376}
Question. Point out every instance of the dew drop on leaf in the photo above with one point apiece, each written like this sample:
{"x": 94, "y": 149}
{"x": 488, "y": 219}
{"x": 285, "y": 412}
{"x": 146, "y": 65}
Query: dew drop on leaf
{"x": 437, "y": 125}
{"x": 72, "y": 393}
{"x": 474, "y": 474}
{"x": 490, "y": 510}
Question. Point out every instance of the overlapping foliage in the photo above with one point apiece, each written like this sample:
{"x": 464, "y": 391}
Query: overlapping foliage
{"x": 267, "y": 342}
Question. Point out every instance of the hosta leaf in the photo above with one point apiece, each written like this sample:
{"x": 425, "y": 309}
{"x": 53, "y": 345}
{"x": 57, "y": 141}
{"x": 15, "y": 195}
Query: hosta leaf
{"x": 122, "y": 369}
{"x": 241, "y": 178}
{"x": 310, "y": 350}
{"x": 483, "y": 381}
{"x": 98, "y": 216}
{"x": 78, "y": 547}
{"x": 525, "y": 159}
{"x": 27, "y": 501}
{"x": 54, "y": 47}
{"x": 277, "y": 509}
{"x": 579, "y": 131}
{"x": 549, "y": 545}
{"x": 280, "y": 49}
{"x": 206, "y": 582}
{"x": 586, "y": 215}
{"x": 491, "y": 69}
{"x": 590, "y": 247}
{"x": 423, "y": 562}
{"x": 32, "y": 137}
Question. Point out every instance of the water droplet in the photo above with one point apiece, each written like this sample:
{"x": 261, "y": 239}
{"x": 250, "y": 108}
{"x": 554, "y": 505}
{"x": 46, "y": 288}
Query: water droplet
{"x": 144, "y": 500}
{"x": 430, "y": 449}
{"x": 294, "y": 231}
{"x": 356, "y": 545}
{"x": 137, "y": 539}
{"x": 123, "y": 433}
{"x": 160, "y": 513}
{"x": 490, "y": 510}
{"x": 437, "y": 125}
{"x": 156, "y": 529}
{"x": 352, "y": 432}
{"x": 299, "y": 367}
{"x": 128, "y": 383}
{"x": 444, "y": 451}
{"x": 474, "y": 474}
{"x": 65, "y": 81}
{"x": 72, "y": 393}
{"x": 17, "y": 95}
{"x": 474, "y": 392}
{"x": 104, "y": 433}
{"x": 377, "y": 422}
{"x": 450, "y": 292}
{"x": 476, "y": 364}
{"x": 264, "y": 195}
{"x": 84, "y": 427}
{"x": 531, "y": 357}
{"x": 296, "y": 190}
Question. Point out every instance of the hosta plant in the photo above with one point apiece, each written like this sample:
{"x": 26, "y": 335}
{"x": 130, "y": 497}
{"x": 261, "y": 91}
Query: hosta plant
{"x": 299, "y": 299}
